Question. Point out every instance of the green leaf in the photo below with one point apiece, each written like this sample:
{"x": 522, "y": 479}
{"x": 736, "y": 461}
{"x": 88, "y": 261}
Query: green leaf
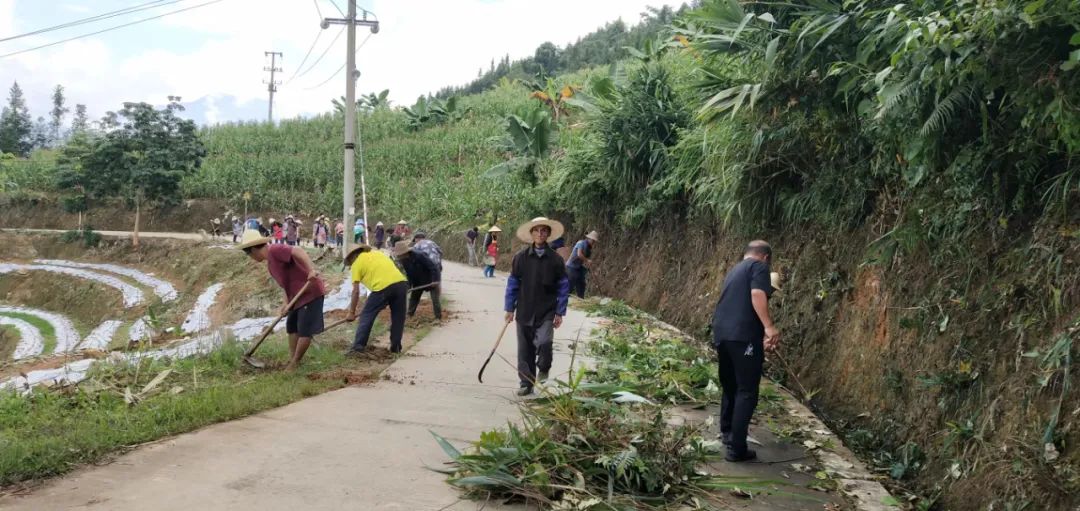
{"x": 770, "y": 51}
{"x": 1075, "y": 39}
{"x": 446, "y": 447}
{"x": 766, "y": 17}
{"x": 880, "y": 77}
{"x": 746, "y": 19}
{"x": 889, "y": 500}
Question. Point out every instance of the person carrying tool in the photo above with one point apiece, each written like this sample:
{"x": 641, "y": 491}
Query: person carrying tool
{"x": 742, "y": 331}
{"x": 387, "y": 287}
{"x": 579, "y": 262}
{"x": 421, "y": 272}
{"x": 538, "y": 291}
{"x": 291, "y": 268}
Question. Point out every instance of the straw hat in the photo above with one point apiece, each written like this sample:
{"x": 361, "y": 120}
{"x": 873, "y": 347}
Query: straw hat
{"x": 251, "y": 238}
{"x": 271, "y": 220}
{"x": 774, "y": 278}
{"x": 494, "y": 228}
{"x": 593, "y": 235}
{"x": 401, "y": 248}
{"x": 524, "y": 232}
{"x": 235, "y": 218}
{"x": 402, "y": 222}
{"x": 378, "y": 224}
{"x": 350, "y": 256}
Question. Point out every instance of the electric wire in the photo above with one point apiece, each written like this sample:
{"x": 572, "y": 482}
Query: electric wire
{"x": 334, "y": 75}
{"x": 98, "y": 17}
{"x": 327, "y": 50}
{"x": 136, "y": 22}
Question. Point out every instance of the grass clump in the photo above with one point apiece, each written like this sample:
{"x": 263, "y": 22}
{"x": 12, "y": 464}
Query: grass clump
{"x": 579, "y": 448}
{"x": 48, "y": 333}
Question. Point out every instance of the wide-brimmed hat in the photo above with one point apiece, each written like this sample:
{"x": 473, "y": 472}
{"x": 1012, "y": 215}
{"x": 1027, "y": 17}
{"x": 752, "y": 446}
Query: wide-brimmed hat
{"x": 494, "y": 228}
{"x": 593, "y": 235}
{"x": 252, "y": 238}
{"x": 402, "y": 222}
{"x": 272, "y": 220}
{"x": 235, "y": 218}
{"x": 353, "y": 252}
{"x": 523, "y": 232}
{"x": 378, "y": 224}
{"x": 401, "y": 248}
{"x": 774, "y": 279}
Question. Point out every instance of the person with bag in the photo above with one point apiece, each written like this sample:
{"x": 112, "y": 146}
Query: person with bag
{"x": 491, "y": 251}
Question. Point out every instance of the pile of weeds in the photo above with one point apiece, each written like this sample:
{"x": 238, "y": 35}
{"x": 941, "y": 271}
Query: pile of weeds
{"x": 593, "y": 446}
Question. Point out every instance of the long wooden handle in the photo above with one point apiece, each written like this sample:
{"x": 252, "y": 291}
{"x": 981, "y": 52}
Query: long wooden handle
{"x": 480, "y": 375}
{"x": 277, "y": 320}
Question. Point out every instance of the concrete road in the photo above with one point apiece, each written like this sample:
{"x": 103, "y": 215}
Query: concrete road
{"x": 127, "y": 234}
{"x": 357, "y": 448}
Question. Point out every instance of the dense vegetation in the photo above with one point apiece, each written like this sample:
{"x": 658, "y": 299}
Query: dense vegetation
{"x": 940, "y": 132}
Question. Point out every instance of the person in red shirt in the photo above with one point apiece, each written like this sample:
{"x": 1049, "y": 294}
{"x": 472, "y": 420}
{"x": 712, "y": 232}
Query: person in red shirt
{"x": 291, "y": 268}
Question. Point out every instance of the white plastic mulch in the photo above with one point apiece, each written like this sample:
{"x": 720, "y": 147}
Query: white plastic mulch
{"x": 199, "y": 317}
{"x": 132, "y": 295}
{"x": 31, "y": 342}
{"x": 102, "y": 336}
{"x": 66, "y": 335}
{"x": 164, "y": 290}
{"x": 67, "y": 374}
{"x": 140, "y": 330}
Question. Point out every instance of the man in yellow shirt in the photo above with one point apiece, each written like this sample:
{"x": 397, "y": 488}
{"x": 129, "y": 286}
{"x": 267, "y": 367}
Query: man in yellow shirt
{"x": 387, "y": 286}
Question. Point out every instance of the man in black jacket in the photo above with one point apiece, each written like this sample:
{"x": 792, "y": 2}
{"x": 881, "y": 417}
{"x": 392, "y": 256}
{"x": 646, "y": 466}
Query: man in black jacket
{"x": 421, "y": 271}
{"x": 742, "y": 331}
{"x": 538, "y": 290}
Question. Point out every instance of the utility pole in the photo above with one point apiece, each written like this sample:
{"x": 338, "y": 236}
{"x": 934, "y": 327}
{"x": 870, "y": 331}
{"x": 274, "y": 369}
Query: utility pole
{"x": 349, "y": 189}
{"x": 272, "y": 84}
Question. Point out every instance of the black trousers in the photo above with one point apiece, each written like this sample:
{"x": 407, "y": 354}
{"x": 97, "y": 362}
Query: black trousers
{"x": 534, "y": 350}
{"x": 741, "y": 365}
{"x": 433, "y": 293}
{"x": 577, "y": 280}
{"x": 394, "y": 297}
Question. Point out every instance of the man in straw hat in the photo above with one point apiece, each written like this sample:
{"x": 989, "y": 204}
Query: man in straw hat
{"x": 291, "y": 268}
{"x": 421, "y": 271}
{"x": 387, "y": 287}
{"x": 742, "y": 331}
{"x": 538, "y": 291}
{"x": 580, "y": 261}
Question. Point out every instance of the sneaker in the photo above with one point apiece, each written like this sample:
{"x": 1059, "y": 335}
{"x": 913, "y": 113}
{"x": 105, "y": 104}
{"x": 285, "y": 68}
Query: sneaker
{"x": 524, "y": 391}
{"x": 750, "y": 454}
{"x": 543, "y": 376}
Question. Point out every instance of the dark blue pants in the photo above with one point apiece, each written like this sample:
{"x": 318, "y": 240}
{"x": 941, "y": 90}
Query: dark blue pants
{"x": 392, "y": 296}
{"x": 577, "y": 280}
{"x": 535, "y": 350}
{"x": 741, "y": 365}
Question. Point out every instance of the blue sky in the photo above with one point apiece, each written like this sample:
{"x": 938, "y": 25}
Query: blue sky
{"x": 215, "y": 53}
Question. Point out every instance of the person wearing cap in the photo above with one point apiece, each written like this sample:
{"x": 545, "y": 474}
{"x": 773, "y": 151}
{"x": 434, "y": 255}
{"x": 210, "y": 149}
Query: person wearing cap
{"x": 427, "y": 247}
{"x": 292, "y": 231}
{"x": 291, "y": 268}
{"x": 387, "y": 288}
{"x": 237, "y": 229}
{"x": 380, "y": 234}
{"x": 491, "y": 251}
{"x": 579, "y": 262}
{"x": 421, "y": 271}
{"x": 537, "y": 293}
{"x": 742, "y": 331}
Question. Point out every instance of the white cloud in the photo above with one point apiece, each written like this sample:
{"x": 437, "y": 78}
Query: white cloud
{"x": 422, "y": 46}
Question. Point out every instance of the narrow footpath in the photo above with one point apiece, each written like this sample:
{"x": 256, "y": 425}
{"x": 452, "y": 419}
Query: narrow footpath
{"x": 357, "y": 448}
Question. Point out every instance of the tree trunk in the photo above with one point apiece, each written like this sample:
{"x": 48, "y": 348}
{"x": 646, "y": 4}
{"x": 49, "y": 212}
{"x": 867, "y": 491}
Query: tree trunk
{"x": 135, "y": 233}
{"x": 80, "y": 220}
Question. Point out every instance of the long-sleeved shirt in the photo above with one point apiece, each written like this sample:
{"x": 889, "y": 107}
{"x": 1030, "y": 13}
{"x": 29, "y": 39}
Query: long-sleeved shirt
{"x": 538, "y": 288}
{"x": 419, "y": 269}
{"x": 430, "y": 249}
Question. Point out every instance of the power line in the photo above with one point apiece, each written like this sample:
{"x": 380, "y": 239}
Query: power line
{"x": 136, "y": 22}
{"x": 327, "y": 50}
{"x": 324, "y": 82}
{"x": 338, "y": 8}
{"x": 317, "y": 9}
{"x": 306, "y": 55}
{"x": 99, "y": 17}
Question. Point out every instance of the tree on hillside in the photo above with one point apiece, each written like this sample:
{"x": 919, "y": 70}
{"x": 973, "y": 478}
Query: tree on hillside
{"x": 15, "y": 124}
{"x": 81, "y": 122}
{"x": 71, "y": 176}
{"x": 144, "y": 159}
{"x": 39, "y": 134}
{"x": 547, "y": 58}
{"x": 57, "y": 114}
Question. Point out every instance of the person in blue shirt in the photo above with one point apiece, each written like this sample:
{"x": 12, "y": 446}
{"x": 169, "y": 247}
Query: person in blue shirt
{"x": 579, "y": 262}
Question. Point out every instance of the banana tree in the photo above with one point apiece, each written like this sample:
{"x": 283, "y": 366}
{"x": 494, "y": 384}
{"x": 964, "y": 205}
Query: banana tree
{"x": 528, "y": 141}
{"x": 553, "y": 97}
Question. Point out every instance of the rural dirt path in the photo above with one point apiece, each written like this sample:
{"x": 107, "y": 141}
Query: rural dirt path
{"x": 127, "y": 234}
{"x": 355, "y": 448}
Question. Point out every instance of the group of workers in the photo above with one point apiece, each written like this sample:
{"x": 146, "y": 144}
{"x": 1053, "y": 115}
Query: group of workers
{"x": 536, "y": 296}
